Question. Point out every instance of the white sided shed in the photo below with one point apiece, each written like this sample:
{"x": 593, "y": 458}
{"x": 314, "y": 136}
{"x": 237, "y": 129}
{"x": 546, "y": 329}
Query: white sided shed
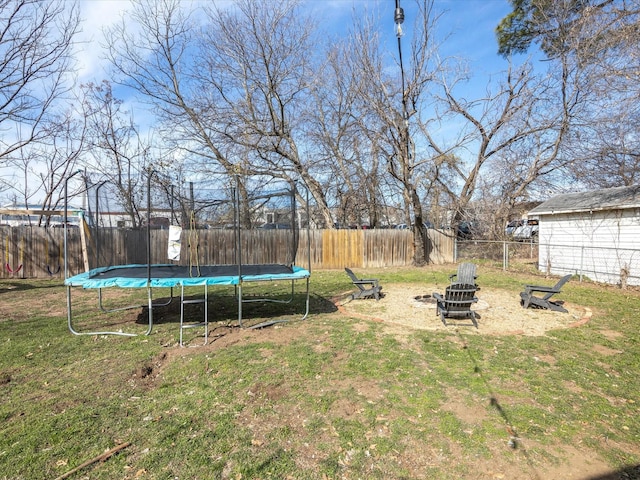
{"x": 595, "y": 234}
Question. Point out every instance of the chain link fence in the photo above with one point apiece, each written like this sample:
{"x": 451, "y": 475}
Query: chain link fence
{"x": 616, "y": 266}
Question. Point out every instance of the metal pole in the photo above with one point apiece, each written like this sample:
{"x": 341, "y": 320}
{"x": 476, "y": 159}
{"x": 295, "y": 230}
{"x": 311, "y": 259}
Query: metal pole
{"x": 399, "y": 19}
{"x": 171, "y": 199}
{"x": 308, "y": 241}
{"x": 149, "y": 291}
{"x": 238, "y": 236}
{"x": 66, "y": 219}
{"x": 151, "y": 172}
{"x": 294, "y": 225}
{"x": 505, "y": 256}
{"x": 97, "y": 214}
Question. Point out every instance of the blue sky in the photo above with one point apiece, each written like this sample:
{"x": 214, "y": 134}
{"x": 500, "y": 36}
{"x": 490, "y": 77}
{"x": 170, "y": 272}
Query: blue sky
{"x": 466, "y": 28}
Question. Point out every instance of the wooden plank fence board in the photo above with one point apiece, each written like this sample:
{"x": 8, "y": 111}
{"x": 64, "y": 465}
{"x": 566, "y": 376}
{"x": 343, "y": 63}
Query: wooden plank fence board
{"x": 342, "y": 248}
{"x": 387, "y": 248}
{"x": 40, "y": 249}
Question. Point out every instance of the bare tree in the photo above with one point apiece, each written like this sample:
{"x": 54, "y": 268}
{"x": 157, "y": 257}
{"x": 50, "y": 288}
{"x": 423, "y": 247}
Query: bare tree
{"x": 58, "y": 158}
{"x": 354, "y": 173}
{"x": 36, "y": 41}
{"x": 260, "y": 64}
{"x": 242, "y": 94}
{"x": 231, "y": 95}
{"x": 596, "y": 44}
{"x": 605, "y": 45}
{"x": 391, "y": 104}
{"x": 118, "y": 153}
{"x": 39, "y": 169}
{"x": 509, "y": 140}
{"x": 517, "y": 130}
{"x": 609, "y": 151}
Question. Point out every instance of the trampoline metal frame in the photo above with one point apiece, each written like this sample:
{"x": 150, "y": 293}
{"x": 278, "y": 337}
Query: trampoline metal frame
{"x": 272, "y": 300}
{"x": 130, "y": 307}
{"x": 109, "y": 332}
{"x": 150, "y": 305}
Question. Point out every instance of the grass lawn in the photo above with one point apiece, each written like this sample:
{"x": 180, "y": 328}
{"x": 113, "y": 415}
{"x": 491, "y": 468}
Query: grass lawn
{"x": 332, "y": 396}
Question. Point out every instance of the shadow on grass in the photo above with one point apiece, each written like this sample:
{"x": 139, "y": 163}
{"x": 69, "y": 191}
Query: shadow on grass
{"x": 13, "y": 286}
{"x": 225, "y": 309}
{"x": 631, "y": 472}
{"x": 514, "y": 441}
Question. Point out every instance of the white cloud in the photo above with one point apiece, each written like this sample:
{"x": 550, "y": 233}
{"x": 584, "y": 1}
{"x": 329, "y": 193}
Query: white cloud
{"x": 96, "y": 15}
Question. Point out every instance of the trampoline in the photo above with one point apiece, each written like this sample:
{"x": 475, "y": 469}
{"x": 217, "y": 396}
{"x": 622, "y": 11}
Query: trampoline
{"x": 241, "y": 269}
{"x": 180, "y": 276}
{"x": 170, "y": 275}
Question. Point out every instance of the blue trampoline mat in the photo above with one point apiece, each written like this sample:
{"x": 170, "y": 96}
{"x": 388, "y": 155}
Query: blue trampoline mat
{"x": 135, "y": 276}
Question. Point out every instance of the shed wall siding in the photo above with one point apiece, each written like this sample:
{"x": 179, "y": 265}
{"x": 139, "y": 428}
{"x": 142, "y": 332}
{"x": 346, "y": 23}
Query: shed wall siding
{"x": 599, "y": 243}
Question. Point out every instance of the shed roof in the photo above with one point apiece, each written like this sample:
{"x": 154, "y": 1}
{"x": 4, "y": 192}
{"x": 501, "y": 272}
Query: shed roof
{"x": 595, "y": 200}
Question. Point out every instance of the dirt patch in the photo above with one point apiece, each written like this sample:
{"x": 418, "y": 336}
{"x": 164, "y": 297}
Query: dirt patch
{"x": 498, "y": 312}
{"x": 18, "y": 301}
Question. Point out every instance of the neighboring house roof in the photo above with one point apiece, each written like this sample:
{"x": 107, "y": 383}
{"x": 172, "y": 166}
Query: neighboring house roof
{"x": 13, "y": 206}
{"x": 596, "y": 200}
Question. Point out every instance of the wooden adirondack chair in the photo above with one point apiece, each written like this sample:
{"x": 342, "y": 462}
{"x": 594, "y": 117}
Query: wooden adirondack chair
{"x": 466, "y": 275}
{"x": 456, "y": 302}
{"x": 367, "y": 287}
{"x": 528, "y": 299}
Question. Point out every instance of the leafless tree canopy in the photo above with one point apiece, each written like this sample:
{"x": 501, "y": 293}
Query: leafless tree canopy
{"x": 257, "y": 88}
{"x": 115, "y": 151}
{"x": 36, "y": 40}
{"x": 595, "y": 44}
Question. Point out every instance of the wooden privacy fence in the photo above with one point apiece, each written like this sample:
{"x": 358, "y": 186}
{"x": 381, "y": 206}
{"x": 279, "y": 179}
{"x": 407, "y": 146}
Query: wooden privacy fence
{"x": 375, "y": 248}
{"x": 38, "y": 252}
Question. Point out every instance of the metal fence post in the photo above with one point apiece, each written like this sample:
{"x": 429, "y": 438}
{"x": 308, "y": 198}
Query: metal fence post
{"x": 505, "y": 256}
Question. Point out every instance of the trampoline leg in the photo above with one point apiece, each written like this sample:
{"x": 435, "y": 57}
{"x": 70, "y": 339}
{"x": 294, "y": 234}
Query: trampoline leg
{"x": 122, "y": 334}
{"x": 69, "y": 314}
{"x": 206, "y": 314}
{"x": 239, "y": 293}
{"x": 306, "y": 312}
{"x": 181, "y": 314}
{"x": 150, "y": 307}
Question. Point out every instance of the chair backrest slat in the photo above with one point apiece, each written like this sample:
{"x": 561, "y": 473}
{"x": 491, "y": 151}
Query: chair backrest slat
{"x": 459, "y": 297}
{"x": 466, "y": 274}
{"x": 557, "y": 287}
{"x": 352, "y": 275}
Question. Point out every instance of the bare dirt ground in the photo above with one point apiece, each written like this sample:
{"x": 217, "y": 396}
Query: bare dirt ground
{"x": 497, "y": 312}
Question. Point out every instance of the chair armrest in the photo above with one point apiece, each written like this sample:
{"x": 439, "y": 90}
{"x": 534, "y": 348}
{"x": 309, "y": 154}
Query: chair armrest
{"x": 542, "y": 289}
{"x": 363, "y": 281}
